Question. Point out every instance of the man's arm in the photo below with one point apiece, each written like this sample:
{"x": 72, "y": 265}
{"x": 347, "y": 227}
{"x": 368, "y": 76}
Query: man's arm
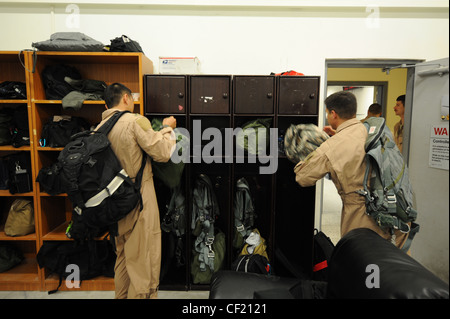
{"x": 315, "y": 166}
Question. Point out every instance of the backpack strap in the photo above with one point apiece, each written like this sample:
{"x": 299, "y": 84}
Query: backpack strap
{"x": 243, "y": 208}
{"x": 109, "y": 124}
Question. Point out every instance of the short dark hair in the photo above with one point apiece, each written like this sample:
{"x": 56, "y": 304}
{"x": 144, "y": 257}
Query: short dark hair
{"x": 343, "y": 103}
{"x": 375, "y": 108}
{"x": 402, "y": 99}
{"x": 114, "y": 92}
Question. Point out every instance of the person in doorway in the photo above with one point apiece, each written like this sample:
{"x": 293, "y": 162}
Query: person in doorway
{"x": 399, "y": 110}
{"x": 138, "y": 243}
{"x": 374, "y": 110}
{"x": 343, "y": 158}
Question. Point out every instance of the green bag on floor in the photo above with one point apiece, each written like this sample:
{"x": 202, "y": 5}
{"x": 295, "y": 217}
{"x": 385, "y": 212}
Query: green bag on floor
{"x": 204, "y": 276}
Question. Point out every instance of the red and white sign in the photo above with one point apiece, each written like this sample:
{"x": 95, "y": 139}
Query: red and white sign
{"x": 439, "y": 155}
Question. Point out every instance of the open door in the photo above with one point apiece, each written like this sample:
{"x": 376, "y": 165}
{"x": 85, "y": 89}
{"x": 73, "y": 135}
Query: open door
{"x": 428, "y": 163}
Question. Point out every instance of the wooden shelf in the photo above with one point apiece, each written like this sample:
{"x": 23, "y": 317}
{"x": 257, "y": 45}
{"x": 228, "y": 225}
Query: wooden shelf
{"x": 21, "y": 277}
{"x": 4, "y": 237}
{"x": 15, "y": 101}
{"x": 5, "y": 192}
{"x": 100, "y": 283}
{"x": 14, "y": 149}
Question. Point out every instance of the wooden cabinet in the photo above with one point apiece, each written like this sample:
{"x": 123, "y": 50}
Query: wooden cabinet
{"x": 24, "y": 276}
{"x": 52, "y": 213}
{"x": 215, "y": 104}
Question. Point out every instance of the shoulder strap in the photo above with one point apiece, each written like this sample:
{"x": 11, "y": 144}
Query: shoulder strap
{"x": 375, "y": 128}
{"x": 105, "y": 128}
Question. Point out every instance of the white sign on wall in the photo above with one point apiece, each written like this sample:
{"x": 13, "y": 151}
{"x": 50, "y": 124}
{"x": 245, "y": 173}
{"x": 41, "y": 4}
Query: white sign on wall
{"x": 439, "y": 155}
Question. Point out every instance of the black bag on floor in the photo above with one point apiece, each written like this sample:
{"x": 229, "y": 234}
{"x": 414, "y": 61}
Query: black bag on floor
{"x": 255, "y": 263}
{"x": 323, "y": 248}
{"x": 93, "y": 258}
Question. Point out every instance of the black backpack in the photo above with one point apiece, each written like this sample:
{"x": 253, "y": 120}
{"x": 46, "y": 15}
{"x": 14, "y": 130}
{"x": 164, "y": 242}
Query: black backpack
{"x": 99, "y": 188}
{"x": 124, "y": 44}
{"x": 53, "y": 80}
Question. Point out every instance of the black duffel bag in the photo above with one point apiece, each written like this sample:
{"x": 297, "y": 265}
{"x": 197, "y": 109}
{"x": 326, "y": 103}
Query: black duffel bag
{"x": 58, "y": 130}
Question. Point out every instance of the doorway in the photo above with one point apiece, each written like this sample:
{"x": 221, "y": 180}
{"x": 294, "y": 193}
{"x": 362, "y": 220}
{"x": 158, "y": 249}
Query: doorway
{"x": 375, "y": 81}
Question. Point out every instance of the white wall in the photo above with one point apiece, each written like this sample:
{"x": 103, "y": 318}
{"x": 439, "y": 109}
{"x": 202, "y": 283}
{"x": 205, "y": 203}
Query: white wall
{"x": 244, "y": 37}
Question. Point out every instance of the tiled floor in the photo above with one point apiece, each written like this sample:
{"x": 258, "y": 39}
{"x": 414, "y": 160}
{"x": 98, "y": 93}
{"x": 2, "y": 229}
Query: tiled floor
{"x": 331, "y": 217}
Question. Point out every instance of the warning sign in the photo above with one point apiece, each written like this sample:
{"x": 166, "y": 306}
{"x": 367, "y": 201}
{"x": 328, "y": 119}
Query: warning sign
{"x": 439, "y": 155}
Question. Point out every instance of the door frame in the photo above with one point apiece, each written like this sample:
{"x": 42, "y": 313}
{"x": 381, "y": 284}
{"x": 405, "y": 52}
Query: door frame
{"x": 386, "y": 64}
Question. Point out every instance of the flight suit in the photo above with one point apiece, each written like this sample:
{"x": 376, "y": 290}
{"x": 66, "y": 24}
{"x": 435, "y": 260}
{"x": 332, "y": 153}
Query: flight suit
{"x": 138, "y": 244}
{"x": 343, "y": 157}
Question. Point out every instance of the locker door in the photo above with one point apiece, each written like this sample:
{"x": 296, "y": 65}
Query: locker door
{"x": 165, "y": 94}
{"x": 254, "y": 94}
{"x": 298, "y": 95}
{"x": 210, "y": 94}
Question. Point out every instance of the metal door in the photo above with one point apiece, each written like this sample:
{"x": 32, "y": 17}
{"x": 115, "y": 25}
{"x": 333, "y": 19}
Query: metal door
{"x": 428, "y": 164}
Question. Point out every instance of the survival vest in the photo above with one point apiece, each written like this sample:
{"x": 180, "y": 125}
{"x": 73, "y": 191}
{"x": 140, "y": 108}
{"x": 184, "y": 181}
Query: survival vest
{"x": 99, "y": 188}
{"x": 244, "y": 212}
{"x": 204, "y": 214}
{"x": 387, "y": 189}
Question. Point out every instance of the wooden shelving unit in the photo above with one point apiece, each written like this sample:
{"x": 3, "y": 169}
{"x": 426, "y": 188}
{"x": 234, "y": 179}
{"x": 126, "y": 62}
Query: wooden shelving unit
{"x": 52, "y": 213}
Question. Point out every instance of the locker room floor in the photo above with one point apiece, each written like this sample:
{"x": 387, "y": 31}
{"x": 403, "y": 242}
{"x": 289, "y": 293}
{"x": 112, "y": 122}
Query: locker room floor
{"x": 331, "y": 213}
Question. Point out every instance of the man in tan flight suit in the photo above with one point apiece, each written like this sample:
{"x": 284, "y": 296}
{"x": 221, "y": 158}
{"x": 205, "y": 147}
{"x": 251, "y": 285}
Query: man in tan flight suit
{"x": 138, "y": 244}
{"x": 399, "y": 109}
{"x": 342, "y": 156}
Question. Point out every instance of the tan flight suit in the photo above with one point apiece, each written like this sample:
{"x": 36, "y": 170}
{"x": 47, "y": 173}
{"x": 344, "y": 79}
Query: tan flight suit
{"x": 139, "y": 234}
{"x": 398, "y": 135}
{"x": 343, "y": 157}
